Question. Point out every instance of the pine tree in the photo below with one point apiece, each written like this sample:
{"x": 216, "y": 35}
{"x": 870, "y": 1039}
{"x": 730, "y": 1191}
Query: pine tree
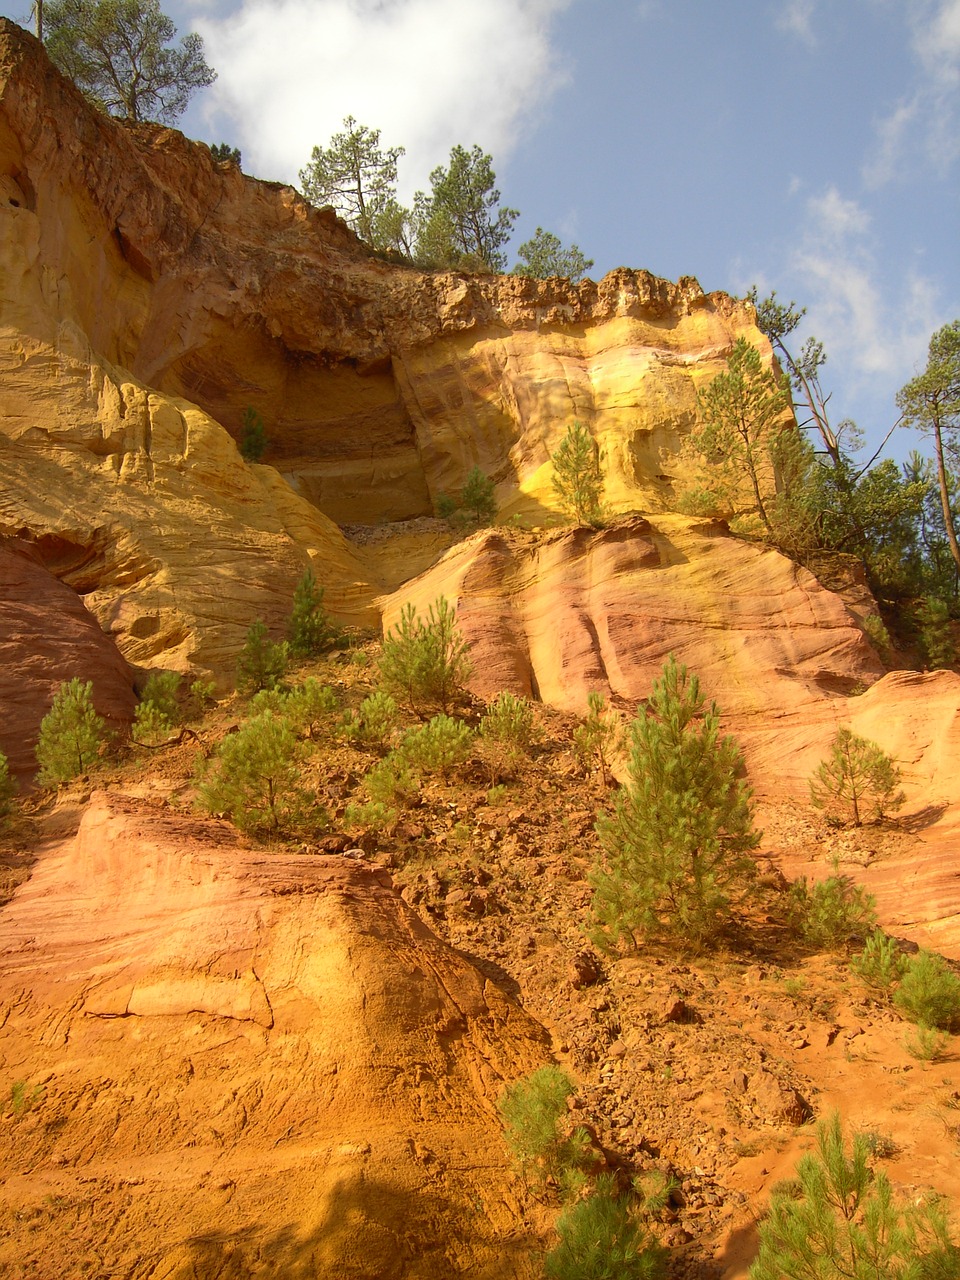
{"x": 676, "y": 847}
{"x": 740, "y": 413}
{"x": 476, "y": 496}
{"x": 8, "y": 787}
{"x": 262, "y": 663}
{"x": 70, "y": 733}
{"x": 255, "y": 780}
{"x": 311, "y": 630}
{"x": 425, "y": 663}
{"x": 856, "y": 770}
{"x": 577, "y": 481}
{"x": 840, "y": 1218}
{"x": 253, "y": 435}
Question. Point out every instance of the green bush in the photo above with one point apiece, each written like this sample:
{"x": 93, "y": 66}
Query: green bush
{"x": 577, "y": 481}
{"x": 373, "y": 816}
{"x": 926, "y": 1044}
{"x": 877, "y": 633}
{"x": 828, "y": 913}
{"x": 71, "y": 733}
{"x": 856, "y": 771}
{"x": 929, "y": 992}
{"x": 425, "y": 664}
{"x": 602, "y": 1238}
{"x": 507, "y": 732}
{"x": 842, "y": 1220}
{"x": 310, "y": 705}
{"x": 936, "y": 633}
{"x": 374, "y": 722}
{"x": 392, "y": 782}
{"x": 596, "y": 741}
{"x": 881, "y": 963}
{"x": 256, "y": 776}
{"x": 8, "y": 787}
{"x": 533, "y": 1110}
{"x": 675, "y": 850}
{"x": 158, "y": 709}
{"x": 262, "y": 663}
{"x": 439, "y": 745}
{"x": 311, "y": 630}
{"x": 253, "y": 435}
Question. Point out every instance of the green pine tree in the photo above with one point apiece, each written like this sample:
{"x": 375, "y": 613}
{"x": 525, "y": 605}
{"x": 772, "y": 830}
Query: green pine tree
{"x": 425, "y": 664}
{"x": 8, "y": 788}
{"x": 577, "y": 481}
{"x": 262, "y": 664}
{"x": 71, "y": 733}
{"x": 476, "y": 496}
{"x": 311, "y": 630}
{"x": 856, "y": 771}
{"x": 840, "y": 1219}
{"x": 255, "y": 778}
{"x": 675, "y": 850}
{"x": 253, "y": 435}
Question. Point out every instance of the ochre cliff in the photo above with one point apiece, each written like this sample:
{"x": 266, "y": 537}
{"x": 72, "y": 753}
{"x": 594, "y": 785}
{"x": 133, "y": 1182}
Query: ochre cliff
{"x": 149, "y": 295}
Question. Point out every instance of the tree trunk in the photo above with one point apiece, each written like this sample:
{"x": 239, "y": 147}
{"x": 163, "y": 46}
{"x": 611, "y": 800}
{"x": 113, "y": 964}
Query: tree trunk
{"x": 944, "y": 493}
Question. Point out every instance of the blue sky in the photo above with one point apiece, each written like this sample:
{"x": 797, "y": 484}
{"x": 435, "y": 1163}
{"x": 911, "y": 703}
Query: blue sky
{"x": 811, "y": 146}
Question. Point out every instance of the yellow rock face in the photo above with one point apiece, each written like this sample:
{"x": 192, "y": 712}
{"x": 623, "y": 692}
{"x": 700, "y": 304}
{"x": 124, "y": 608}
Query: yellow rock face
{"x": 273, "y": 1051}
{"x": 149, "y": 296}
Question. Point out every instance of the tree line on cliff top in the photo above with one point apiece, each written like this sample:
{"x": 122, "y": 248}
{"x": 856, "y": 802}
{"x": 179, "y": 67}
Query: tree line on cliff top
{"x": 120, "y": 53}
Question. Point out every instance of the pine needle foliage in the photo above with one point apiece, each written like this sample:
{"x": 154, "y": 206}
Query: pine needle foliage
{"x": 675, "y": 851}
{"x": 577, "y": 481}
{"x": 262, "y": 663}
{"x": 71, "y": 733}
{"x": 829, "y": 912}
{"x": 602, "y": 1238}
{"x": 856, "y": 776}
{"x": 534, "y": 1110}
{"x": 374, "y": 721}
{"x": 425, "y": 663}
{"x": 438, "y": 746}
{"x": 598, "y": 738}
{"x": 158, "y": 709}
{"x": 881, "y": 963}
{"x": 929, "y": 992}
{"x": 842, "y": 1220}
{"x": 255, "y": 778}
{"x": 253, "y": 435}
{"x": 477, "y": 497}
{"x": 507, "y": 733}
{"x": 8, "y": 787}
{"x": 311, "y": 630}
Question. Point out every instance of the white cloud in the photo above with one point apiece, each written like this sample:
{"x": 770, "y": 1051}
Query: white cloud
{"x": 835, "y": 217}
{"x": 796, "y": 17}
{"x": 876, "y": 333}
{"x": 427, "y": 73}
{"x": 924, "y": 124}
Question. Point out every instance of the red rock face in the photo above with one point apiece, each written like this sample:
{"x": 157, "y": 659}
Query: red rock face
{"x": 47, "y": 636}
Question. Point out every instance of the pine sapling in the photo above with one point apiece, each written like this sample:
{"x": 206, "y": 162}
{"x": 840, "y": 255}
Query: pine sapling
{"x": 676, "y": 848}
{"x": 857, "y": 773}
{"x": 71, "y": 733}
{"x": 8, "y": 788}
{"x": 577, "y": 480}
{"x": 262, "y": 664}
{"x": 311, "y": 630}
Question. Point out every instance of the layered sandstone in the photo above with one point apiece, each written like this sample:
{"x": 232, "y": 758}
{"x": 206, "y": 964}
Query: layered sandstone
{"x": 267, "y": 1058}
{"x": 48, "y": 637}
{"x": 149, "y": 295}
